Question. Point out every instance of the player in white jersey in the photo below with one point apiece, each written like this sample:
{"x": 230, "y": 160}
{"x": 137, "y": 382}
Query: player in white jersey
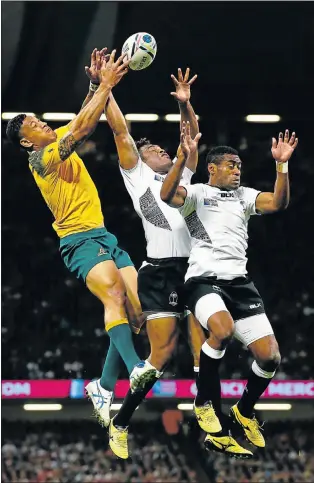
{"x": 220, "y": 293}
{"x": 161, "y": 277}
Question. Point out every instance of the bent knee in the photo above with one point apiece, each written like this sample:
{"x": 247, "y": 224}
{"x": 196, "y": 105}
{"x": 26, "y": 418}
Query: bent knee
{"x": 221, "y": 327}
{"x": 269, "y": 361}
{"x": 224, "y": 334}
{"x": 114, "y": 295}
{"x": 109, "y": 290}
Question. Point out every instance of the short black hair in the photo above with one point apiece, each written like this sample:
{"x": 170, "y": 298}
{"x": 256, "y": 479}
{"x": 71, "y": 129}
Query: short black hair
{"x": 216, "y": 154}
{"x": 13, "y": 129}
{"x": 142, "y": 142}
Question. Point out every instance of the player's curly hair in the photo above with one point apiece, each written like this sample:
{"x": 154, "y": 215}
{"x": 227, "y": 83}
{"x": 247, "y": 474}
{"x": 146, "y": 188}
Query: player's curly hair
{"x": 142, "y": 142}
{"x": 216, "y": 154}
{"x": 13, "y": 129}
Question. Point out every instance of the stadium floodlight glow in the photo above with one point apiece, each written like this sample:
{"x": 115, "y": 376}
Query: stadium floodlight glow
{"x": 175, "y": 117}
{"x": 6, "y": 116}
{"x": 58, "y": 116}
{"x": 185, "y": 406}
{"x": 142, "y": 117}
{"x": 263, "y": 118}
{"x": 115, "y": 406}
{"x": 42, "y": 407}
{"x": 273, "y": 406}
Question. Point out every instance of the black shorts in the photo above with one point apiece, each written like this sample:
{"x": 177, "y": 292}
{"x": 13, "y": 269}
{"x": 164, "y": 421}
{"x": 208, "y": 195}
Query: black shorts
{"x": 161, "y": 285}
{"x": 240, "y": 295}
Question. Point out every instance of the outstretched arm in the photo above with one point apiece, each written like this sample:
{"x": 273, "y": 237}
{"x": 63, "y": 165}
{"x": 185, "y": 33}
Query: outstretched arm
{"x": 183, "y": 95}
{"x": 46, "y": 160}
{"x": 127, "y": 150}
{"x": 171, "y": 193}
{"x": 279, "y": 199}
{"x": 83, "y": 125}
{"x": 92, "y": 73}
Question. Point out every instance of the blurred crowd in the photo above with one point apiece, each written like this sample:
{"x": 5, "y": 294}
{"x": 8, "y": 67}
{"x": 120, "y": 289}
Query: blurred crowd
{"x": 78, "y": 452}
{"x": 287, "y": 458}
{"x": 52, "y": 327}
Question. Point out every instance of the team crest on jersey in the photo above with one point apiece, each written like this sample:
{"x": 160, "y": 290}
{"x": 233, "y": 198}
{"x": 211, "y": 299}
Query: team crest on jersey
{"x": 173, "y": 299}
{"x": 210, "y": 202}
{"x": 243, "y": 205}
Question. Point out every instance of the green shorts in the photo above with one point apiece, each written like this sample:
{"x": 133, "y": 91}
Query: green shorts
{"x": 82, "y": 251}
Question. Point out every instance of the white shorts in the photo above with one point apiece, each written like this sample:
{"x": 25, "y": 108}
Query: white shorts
{"x": 247, "y": 330}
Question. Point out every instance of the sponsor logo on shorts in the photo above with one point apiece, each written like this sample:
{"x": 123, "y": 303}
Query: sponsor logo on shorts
{"x": 216, "y": 288}
{"x": 210, "y": 202}
{"x": 173, "y": 299}
{"x": 255, "y": 306}
{"x": 102, "y": 251}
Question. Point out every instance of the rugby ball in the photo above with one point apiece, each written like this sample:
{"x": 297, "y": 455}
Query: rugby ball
{"x": 141, "y": 48}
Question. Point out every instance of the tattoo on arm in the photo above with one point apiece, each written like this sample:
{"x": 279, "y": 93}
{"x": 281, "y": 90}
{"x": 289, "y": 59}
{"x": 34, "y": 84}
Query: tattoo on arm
{"x": 36, "y": 162}
{"x": 67, "y": 145}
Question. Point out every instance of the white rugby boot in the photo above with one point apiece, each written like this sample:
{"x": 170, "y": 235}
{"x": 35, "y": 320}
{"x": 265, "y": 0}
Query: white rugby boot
{"x": 143, "y": 373}
{"x": 101, "y": 399}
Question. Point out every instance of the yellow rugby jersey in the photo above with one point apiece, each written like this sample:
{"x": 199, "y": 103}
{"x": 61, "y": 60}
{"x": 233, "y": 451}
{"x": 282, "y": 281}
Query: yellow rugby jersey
{"x": 67, "y": 188}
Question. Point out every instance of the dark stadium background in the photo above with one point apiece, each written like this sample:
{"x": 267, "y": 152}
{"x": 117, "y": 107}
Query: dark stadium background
{"x": 251, "y": 58}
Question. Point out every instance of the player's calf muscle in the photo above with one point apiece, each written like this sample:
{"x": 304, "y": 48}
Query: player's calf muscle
{"x": 163, "y": 337}
{"x": 266, "y": 353}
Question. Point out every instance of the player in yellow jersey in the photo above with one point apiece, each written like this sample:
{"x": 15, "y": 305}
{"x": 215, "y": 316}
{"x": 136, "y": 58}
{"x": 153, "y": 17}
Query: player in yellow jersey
{"x": 87, "y": 248}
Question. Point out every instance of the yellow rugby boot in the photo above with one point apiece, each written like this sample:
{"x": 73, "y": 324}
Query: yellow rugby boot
{"x": 118, "y": 441}
{"x": 227, "y": 445}
{"x": 207, "y": 418}
{"x": 250, "y": 426}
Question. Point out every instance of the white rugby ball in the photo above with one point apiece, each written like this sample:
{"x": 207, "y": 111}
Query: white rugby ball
{"x": 141, "y": 48}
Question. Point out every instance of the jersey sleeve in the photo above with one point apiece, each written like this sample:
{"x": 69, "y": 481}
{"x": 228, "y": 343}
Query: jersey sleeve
{"x": 46, "y": 160}
{"x": 135, "y": 176}
{"x": 61, "y": 131}
{"x": 186, "y": 175}
{"x": 190, "y": 200}
{"x": 249, "y": 198}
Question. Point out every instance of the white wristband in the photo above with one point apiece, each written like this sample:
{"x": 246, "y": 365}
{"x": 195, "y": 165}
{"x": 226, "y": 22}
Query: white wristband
{"x": 93, "y": 87}
{"x": 282, "y": 167}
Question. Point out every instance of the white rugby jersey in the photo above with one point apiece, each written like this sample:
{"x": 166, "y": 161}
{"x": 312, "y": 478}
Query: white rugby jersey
{"x": 165, "y": 230}
{"x": 217, "y": 221}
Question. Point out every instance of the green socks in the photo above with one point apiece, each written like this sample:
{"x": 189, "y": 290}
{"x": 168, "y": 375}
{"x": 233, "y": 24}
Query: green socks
{"x": 121, "y": 337}
{"x": 111, "y": 369}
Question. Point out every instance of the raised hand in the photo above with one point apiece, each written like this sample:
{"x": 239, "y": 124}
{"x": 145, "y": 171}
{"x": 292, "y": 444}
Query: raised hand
{"x": 188, "y": 145}
{"x": 184, "y": 145}
{"x": 283, "y": 148}
{"x": 93, "y": 71}
{"x": 183, "y": 86}
{"x": 112, "y": 71}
